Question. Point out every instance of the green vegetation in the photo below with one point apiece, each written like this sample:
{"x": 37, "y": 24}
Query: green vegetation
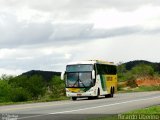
{"x": 148, "y": 88}
{"x": 154, "y": 110}
{"x": 148, "y": 110}
{"x": 33, "y": 86}
{"x": 129, "y": 73}
{"x": 140, "y": 89}
{"x": 30, "y": 88}
{"x": 46, "y": 86}
{"x": 138, "y": 71}
{"x": 105, "y": 117}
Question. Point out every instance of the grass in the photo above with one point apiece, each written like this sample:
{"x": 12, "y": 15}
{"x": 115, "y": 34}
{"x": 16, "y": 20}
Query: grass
{"x": 149, "y": 88}
{"x": 107, "y": 117}
{"x": 36, "y": 101}
{"x": 150, "y": 112}
{"x": 139, "y": 89}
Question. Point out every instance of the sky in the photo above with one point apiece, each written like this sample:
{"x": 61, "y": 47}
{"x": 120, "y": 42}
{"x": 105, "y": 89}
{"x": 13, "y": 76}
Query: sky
{"x": 48, "y": 34}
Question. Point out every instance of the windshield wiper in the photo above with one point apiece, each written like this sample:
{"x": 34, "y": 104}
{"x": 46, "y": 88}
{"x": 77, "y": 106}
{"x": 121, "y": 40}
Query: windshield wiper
{"x": 75, "y": 83}
{"x": 81, "y": 82}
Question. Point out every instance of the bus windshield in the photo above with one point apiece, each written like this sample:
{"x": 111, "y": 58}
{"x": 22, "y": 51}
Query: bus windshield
{"x": 79, "y": 68}
{"x": 79, "y": 79}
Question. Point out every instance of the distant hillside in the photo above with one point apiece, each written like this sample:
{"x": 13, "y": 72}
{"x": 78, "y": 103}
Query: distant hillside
{"x": 47, "y": 75}
{"x": 131, "y": 64}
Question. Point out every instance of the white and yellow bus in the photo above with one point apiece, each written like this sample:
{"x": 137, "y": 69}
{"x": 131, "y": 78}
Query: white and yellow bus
{"x": 92, "y": 78}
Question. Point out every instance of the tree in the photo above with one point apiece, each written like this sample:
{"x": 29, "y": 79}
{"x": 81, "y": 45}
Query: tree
{"x": 6, "y": 77}
{"x": 9, "y": 93}
{"x": 5, "y": 89}
{"x": 121, "y": 71}
{"x": 34, "y": 85}
{"x": 142, "y": 70}
{"x": 121, "y": 68}
{"x": 138, "y": 71}
{"x": 19, "y": 94}
{"x": 57, "y": 87}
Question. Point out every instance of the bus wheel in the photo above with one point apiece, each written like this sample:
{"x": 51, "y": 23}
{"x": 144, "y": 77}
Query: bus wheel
{"x": 74, "y": 98}
{"x": 107, "y": 96}
{"x": 112, "y": 92}
{"x": 89, "y": 98}
{"x": 98, "y": 93}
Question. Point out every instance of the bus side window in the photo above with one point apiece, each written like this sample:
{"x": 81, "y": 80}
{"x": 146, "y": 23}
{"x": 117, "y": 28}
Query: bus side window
{"x": 111, "y": 69}
{"x": 106, "y": 69}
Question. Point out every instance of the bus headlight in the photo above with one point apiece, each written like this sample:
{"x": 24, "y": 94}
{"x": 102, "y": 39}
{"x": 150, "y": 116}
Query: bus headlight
{"x": 67, "y": 90}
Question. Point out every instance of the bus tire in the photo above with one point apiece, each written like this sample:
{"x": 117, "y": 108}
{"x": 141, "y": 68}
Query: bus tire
{"x": 112, "y": 92}
{"x": 74, "y": 98}
{"x": 107, "y": 95}
{"x": 98, "y": 93}
{"x": 90, "y": 98}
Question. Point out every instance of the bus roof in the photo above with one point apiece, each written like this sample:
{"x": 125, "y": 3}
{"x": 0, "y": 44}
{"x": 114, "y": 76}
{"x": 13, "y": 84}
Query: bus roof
{"x": 91, "y": 62}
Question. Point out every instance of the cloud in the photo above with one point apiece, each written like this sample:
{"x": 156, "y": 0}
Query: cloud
{"x": 10, "y": 71}
{"x": 74, "y": 9}
{"x": 78, "y": 5}
{"x": 41, "y": 62}
{"x": 48, "y": 34}
{"x": 16, "y": 34}
{"x": 36, "y": 57}
{"x": 30, "y": 26}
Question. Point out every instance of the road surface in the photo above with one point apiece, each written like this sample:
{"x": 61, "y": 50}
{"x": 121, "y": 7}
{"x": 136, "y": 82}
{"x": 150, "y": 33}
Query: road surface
{"x": 82, "y": 108}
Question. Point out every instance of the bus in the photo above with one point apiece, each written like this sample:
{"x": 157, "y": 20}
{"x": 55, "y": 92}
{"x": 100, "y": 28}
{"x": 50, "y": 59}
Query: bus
{"x": 91, "y": 78}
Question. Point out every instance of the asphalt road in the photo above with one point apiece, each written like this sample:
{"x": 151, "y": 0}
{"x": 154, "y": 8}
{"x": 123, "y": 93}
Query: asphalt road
{"x": 82, "y": 108}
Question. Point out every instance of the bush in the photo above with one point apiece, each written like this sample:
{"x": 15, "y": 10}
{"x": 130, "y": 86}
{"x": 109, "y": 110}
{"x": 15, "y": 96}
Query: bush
{"x": 57, "y": 87}
{"x": 19, "y": 95}
{"x": 5, "y": 90}
{"x": 142, "y": 70}
{"x": 119, "y": 88}
{"x": 132, "y": 83}
{"x": 136, "y": 72}
{"x": 34, "y": 85}
{"x": 9, "y": 93}
{"x": 23, "y": 88}
{"x": 121, "y": 70}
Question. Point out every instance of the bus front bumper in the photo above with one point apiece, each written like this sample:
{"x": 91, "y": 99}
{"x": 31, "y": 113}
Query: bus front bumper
{"x": 85, "y": 94}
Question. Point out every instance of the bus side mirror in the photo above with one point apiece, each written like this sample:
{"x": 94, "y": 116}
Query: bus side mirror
{"x": 93, "y": 74}
{"x": 62, "y": 75}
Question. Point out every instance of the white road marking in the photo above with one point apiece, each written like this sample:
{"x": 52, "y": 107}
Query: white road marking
{"x": 69, "y": 111}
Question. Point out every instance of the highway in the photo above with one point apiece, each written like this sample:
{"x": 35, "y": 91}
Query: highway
{"x": 82, "y": 108}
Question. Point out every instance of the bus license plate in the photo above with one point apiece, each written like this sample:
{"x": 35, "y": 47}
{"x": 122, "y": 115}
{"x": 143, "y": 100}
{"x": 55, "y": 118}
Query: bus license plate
{"x": 79, "y": 94}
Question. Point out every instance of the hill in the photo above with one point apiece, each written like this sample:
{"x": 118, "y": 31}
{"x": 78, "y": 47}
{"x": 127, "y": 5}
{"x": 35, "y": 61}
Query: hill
{"x": 47, "y": 75}
{"x": 131, "y": 64}
{"x": 139, "y": 75}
